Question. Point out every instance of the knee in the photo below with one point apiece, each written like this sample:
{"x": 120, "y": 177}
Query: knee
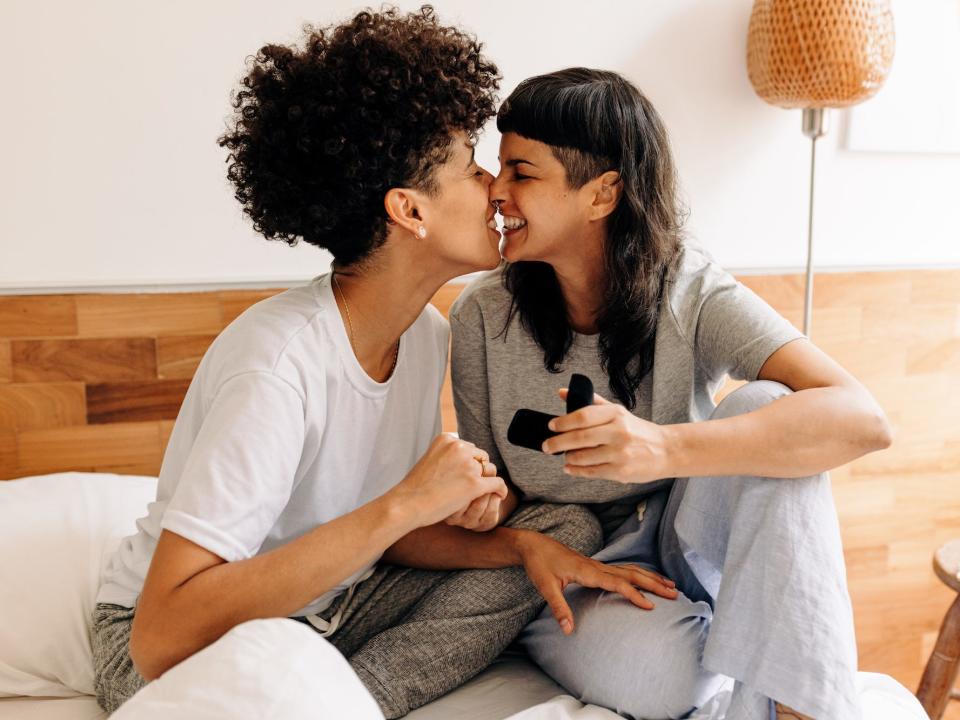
{"x": 681, "y": 685}
{"x": 576, "y": 527}
{"x": 750, "y": 397}
{"x": 674, "y": 680}
{"x": 646, "y": 664}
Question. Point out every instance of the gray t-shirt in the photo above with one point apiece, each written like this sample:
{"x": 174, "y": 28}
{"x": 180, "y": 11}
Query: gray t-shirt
{"x": 710, "y": 327}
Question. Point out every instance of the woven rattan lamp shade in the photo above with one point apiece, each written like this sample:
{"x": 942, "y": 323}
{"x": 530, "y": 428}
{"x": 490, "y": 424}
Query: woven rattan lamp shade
{"x": 819, "y": 53}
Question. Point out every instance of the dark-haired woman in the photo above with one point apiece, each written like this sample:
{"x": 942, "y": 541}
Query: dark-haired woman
{"x": 731, "y": 501}
{"x": 307, "y": 448}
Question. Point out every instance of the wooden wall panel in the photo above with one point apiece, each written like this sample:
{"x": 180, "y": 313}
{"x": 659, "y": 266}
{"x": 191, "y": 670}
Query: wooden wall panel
{"x": 37, "y": 315}
{"x": 150, "y": 315}
{"x": 8, "y": 452}
{"x": 934, "y": 286}
{"x": 93, "y": 382}
{"x": 128, "y": 402}
{"x": 89, "y": 447}
{"x": 6, "y": 362}
{"x": 909, "y": 323}
{"x": 178, "y": 356}
{"x": 935, "y": 356}
{"x": 89, "y": 360}
{"x": 34, "y": 406}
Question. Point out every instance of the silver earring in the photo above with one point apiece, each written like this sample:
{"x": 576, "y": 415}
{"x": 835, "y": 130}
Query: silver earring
{"x": 422, "y": 231}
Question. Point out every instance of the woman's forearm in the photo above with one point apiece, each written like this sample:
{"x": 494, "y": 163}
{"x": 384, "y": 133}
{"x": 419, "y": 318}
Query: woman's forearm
{"x": 287, "y": 578}
{"x": 444, "y": 547}
{"x": 172, "y": 624}
{"x": 449, "y": 547}
{"x": 801, "y": 434}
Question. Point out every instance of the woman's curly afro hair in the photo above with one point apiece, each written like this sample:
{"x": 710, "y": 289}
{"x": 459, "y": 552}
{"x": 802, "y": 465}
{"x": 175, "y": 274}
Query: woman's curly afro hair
{"x": 320, "y": 134}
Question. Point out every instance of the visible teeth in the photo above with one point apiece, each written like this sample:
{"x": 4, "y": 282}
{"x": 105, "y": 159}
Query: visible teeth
{"x": 512, "y": 223}
{"x": 492, "y": 223}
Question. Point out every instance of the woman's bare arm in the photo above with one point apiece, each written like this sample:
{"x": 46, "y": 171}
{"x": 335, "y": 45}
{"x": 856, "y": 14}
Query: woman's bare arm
{"x": 829, "y": 420}
{"x": 191, "y": 596}
{"x": 459, "y": 546}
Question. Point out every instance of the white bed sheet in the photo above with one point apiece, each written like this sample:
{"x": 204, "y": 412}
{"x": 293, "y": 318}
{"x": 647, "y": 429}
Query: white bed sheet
{"x": 511, "y": 687}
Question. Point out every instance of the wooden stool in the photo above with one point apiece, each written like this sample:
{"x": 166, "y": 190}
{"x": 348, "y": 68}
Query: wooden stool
{"x": 936, "y": 686}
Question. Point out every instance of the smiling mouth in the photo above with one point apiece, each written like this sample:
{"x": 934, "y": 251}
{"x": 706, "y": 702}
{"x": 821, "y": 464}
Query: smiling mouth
{"x": 511, "y": 222}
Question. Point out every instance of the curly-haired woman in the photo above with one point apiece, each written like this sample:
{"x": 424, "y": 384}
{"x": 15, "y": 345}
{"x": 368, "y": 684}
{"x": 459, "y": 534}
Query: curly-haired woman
{"x": 307, "y": 447}
{"x": 732, "y": 501}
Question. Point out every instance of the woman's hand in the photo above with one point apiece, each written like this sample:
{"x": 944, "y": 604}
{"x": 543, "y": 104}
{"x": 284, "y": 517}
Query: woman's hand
{"x": 450, "y": 476}
{"x": 606, "y": 441}
{"x": 482, "y": 514}
{"x": 551, "y": 566}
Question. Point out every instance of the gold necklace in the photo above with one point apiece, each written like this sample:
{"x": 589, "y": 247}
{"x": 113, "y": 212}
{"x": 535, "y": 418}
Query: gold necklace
{"x": 343, "y": 298}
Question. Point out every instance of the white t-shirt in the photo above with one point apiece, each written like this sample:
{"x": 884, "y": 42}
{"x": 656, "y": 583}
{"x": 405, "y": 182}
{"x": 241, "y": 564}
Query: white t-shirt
{"x": 282, "y": 430}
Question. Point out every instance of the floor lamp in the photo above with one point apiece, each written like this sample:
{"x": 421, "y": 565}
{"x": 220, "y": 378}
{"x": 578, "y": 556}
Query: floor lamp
{"x": 815, "y": 55}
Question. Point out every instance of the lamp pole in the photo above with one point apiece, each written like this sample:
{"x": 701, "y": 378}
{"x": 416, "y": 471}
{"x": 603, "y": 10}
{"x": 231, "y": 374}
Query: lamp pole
{"x": 814, "y": 127}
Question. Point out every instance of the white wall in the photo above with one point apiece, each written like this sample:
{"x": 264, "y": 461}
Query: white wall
{"x": 111, "y": 174}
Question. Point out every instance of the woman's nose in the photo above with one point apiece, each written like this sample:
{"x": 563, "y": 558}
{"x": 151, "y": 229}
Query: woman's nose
{"x": 497, "y": 194}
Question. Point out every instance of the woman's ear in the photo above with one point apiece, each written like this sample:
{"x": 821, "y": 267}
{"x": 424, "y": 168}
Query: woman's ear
{"x": 405, "y": 209}
{"x": 607, "y": 189}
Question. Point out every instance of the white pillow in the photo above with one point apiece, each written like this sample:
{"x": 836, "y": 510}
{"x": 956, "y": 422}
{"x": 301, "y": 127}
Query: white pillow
{"x": 275, "y": 668}
{"x": 56, "y": 534}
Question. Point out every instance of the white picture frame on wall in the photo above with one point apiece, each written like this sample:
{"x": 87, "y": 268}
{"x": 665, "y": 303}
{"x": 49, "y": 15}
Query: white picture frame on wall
{"x": 918, "y": 110}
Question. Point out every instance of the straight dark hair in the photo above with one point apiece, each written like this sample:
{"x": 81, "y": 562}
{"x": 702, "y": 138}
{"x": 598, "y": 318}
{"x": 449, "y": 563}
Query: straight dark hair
{"x": 596, "y": 121}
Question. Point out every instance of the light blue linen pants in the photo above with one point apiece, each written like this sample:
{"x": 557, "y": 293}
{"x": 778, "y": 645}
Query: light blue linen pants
{"x": 764, "y": 600}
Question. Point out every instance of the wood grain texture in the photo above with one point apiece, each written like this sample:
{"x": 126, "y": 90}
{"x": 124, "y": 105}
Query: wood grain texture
{"x": 89, "y": 447}
{"x": 934, "y": 356}
{"x": 8, "y": 453}
{"x": 143, "y": 315}
{"x": 34, "y": 406}
{"x": 941, "y": 671}
{"x": 179, "y": 355}
{"x": 133, "y": 401}
{"x": 37, "y": 316}
{"x": 89, "y": 360}
{"x": 6, "y": 362}
{"x": 898, "y": 332}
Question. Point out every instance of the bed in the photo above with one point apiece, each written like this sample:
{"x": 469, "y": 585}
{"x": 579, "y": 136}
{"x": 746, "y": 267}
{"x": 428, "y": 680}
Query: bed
{"x": 59, "y": 528}
{"x": 93, "y": 382}
{"x": 511, "y": 688}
